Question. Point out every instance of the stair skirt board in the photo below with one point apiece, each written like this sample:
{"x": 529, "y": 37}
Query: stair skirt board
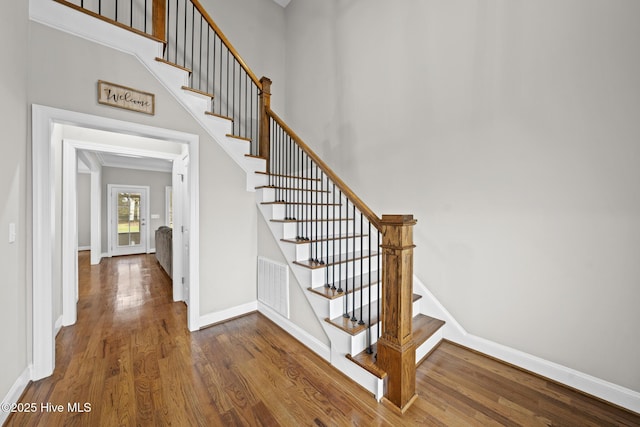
{"x": 57, "y": 16}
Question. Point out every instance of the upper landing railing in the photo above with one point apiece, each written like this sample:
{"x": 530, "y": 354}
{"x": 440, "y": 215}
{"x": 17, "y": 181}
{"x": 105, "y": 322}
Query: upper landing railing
{"x": 193, "y": 41}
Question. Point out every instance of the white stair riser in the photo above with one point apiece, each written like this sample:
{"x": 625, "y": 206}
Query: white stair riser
{"x": 239, "y": 146}
{"x": 337, "y": 305}
{"x": 333, "y": 248}
{"x": 428, "y": 345}
{"x": 345, "y": 269}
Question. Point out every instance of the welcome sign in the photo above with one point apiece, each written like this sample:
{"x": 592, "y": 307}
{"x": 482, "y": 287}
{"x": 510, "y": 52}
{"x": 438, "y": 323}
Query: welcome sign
{"x": 125, "y": 97}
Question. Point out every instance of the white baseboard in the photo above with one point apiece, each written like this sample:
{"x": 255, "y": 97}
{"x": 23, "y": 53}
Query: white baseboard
{"x": 84, "y": 248}
{"x": 15, "y": 392}
{"x": 230, "y": 313}
{"x": 314, "y": 344}
{"x": 586, "y": 383}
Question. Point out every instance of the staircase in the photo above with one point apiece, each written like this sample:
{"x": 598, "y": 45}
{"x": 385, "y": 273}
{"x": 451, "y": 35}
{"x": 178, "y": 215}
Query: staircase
{"x": 355, "y": 268}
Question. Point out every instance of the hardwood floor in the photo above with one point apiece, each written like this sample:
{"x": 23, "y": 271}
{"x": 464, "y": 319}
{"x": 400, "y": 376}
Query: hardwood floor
{"x": 132, "y": 359}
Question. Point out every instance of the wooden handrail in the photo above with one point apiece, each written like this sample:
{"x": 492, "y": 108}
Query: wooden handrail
{"x": 357, "y": 202}
{"x": 227, "y": 43}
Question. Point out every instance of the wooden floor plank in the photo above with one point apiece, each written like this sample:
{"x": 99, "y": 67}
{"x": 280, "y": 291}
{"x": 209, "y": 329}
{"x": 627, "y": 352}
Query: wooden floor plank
{"x": 132, "y": 358}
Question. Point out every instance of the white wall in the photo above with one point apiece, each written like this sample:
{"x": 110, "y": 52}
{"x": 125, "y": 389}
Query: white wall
{"x": 84, "y": 209}
{"x": 14, "y": 309}
{"x": 156, "y": 181}
{"x": 63, "y": 73}
{"x": 510, "y": 129}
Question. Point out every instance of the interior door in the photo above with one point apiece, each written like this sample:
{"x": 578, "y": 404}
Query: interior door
{"x": 128, "y": 219}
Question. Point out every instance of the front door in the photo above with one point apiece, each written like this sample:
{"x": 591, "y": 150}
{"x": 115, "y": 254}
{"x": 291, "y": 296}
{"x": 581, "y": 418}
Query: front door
{"x": 128, "y": 219}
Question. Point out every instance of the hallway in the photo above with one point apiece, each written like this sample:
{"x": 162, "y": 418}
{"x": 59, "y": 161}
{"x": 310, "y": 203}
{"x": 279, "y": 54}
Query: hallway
{"x": 130, "y": 361}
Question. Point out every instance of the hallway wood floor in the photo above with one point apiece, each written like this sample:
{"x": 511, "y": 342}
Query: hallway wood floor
{"x": 131, "y": 357}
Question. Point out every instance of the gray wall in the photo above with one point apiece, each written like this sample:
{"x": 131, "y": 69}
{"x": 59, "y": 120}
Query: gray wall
{"x": 301, "y": 313}
{"x": 156, "y": 181}
{"x": 510, "y": 130}
{"x": 256, "y": 28}
{"x": 14, "y": 169}
{"x": 84, "y": 209}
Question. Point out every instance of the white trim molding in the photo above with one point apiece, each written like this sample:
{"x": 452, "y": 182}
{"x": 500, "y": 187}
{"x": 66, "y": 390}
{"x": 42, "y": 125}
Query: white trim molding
{"x": 227, "y": 314}
{"x": 14, "y": 393}
{"x": 44, "y": 217}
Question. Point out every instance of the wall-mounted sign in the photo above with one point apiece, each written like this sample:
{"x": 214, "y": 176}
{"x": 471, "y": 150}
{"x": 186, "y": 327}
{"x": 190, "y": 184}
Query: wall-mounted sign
{"x": 125, "y": 97}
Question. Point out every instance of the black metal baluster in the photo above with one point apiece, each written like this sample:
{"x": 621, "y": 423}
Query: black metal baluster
{"x": 130, "y": 12}
{"x": 255, "y": 141}
{"x": 333, "y": 245}
{"x": 200, "y": 43}
{"x": 379, "y": 286}
{"x": 370, "y": 346}
{"x": 312, "y": 206}
{"x": 176, "y": 41}
{"x": 353, "y": 266}
{"x": 145, "y": 15}
{"x": 184, "y": 37}
{"x": 246, "y": 119}
{"x": 208, "y": 60}
{"x": 361, "y": 322}
{"x": 346, "y": 282}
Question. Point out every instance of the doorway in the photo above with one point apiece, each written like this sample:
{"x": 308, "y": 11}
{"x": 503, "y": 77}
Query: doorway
{"x": 50, "y": 230}
{"x": 128, "y": 213}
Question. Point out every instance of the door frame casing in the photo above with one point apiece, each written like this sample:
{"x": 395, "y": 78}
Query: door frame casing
{"x": 146, "y": 209}
{"x": 44, "y": 226}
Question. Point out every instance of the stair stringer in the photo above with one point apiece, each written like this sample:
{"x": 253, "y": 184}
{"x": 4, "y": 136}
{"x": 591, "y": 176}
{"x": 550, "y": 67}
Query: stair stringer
{"x": 173, "y": 79}
{"x": 340, "y": 341}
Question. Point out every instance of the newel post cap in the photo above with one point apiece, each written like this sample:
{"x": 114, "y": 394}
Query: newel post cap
{"x": 266, "y": 84}
{"x": 398, "y": 220}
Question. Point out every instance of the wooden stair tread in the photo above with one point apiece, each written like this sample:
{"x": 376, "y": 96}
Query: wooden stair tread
{"x": 275, "y": 187}
{"x": 341, "y": 259}
{"x": 424, "y": 325}
{"x": 198, "y": 91}
{"x": 423, "y": 328}
{"x": 255, "y": 156}
{"x": 287, "y": 176}
{"x": 354, "y": 328}
{"x": 241, "y": 138}
{"x": 330, "y": 293}
{"x": 173, "y": 64}
{"x": 323, "y": 239}
{"x": 368, "y": 361}
{"x": 311, "y": 220}
{"x": 220, "y": 116}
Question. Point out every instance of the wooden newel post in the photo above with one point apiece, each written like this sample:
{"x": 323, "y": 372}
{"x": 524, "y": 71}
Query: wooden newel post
{"x": 265, "y": 103}
{"x": 396, "y": 348}
{"x": 159, "y": 19}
